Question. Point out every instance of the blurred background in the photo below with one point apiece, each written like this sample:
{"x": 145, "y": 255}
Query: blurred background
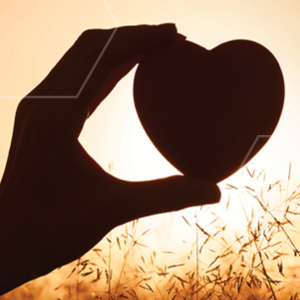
{"x": 33, "y": 37}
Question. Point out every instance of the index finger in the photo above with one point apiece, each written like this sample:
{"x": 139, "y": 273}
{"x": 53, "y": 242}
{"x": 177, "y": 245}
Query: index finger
{"x": 91, "y": 72}
{"x": 89, "y": 38}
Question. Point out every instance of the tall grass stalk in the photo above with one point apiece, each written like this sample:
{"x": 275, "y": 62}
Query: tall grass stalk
{"x": 224, "y": 261}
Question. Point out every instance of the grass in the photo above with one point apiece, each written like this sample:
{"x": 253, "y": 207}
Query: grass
{"x": 248, "y": 248}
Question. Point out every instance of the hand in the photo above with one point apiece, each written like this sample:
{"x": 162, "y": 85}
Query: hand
{"x": 56, "y": 202}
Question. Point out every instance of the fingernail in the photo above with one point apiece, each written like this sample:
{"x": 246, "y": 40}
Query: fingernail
{"x": 181, "y": 37}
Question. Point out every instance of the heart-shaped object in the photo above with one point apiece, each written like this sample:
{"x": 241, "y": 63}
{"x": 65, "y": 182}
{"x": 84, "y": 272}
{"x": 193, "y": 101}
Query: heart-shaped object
{"x": 209, "y": 111}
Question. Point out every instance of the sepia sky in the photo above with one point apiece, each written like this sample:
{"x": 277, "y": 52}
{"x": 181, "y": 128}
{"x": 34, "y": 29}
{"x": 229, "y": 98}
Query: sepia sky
{"x": 34, "y": 34}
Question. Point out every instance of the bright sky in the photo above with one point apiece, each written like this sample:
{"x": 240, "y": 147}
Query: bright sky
{"x": 34, "y": 34}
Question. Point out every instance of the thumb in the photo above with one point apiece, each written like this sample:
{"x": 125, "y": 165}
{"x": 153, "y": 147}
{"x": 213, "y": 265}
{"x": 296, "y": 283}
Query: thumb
{"x": 169, "y": 194}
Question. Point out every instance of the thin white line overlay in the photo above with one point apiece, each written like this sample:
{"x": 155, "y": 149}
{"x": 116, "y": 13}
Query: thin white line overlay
{"x": 88, "y": 76}
{"x": 255, "y": 141}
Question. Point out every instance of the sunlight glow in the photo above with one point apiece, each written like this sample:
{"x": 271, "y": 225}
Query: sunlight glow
{"x": 143, "y": 253}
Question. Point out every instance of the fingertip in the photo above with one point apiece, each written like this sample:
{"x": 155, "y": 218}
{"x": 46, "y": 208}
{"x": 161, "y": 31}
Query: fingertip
{"x": 215, "y": 194}
{"x": 181, "y": 37}
{"x": 169, "y": 28}
{"x": 204, "y": 192}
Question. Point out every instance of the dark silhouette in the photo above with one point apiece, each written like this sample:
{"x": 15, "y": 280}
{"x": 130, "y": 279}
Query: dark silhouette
{"x": 56, "y": 202}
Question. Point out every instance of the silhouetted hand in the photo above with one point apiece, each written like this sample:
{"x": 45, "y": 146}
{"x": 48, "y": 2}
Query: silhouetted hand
{"x": 56, "y": 202}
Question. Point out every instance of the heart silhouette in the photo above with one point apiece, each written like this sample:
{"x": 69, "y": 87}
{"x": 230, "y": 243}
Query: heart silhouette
{"x": 209, "y": 111}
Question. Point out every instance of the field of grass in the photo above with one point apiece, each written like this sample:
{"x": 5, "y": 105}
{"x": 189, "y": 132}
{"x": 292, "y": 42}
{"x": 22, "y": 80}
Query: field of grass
{"x": 247, "y": 247}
